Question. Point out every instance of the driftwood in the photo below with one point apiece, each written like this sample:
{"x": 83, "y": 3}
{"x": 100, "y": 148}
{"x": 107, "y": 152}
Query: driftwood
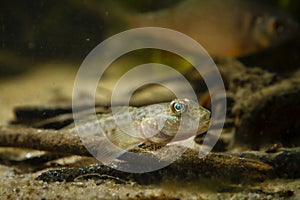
{"x": 219, "y": 165}
{"x": 265, "y": 107}
{"x": 187, "y": 168}
{"x": 285, "y": 161}
{"x": 41, "y": 139}
{"x": 222, "y": 166}
{"x": 52, "y": 117}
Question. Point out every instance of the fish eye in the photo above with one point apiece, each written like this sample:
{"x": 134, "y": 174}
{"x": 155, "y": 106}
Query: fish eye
{"x": 178, "y": 107}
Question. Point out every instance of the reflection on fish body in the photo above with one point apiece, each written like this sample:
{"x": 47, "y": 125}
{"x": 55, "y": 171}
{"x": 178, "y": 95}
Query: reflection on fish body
{"x": 224, "y": 28}
{"x": 156, "y": 123}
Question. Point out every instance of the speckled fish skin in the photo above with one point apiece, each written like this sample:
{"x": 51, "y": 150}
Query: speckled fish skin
{"x": 156, "y": 123}
{"x": 224, "y": 28}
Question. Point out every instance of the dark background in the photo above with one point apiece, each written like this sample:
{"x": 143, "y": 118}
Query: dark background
{"x": 32, "y": 31}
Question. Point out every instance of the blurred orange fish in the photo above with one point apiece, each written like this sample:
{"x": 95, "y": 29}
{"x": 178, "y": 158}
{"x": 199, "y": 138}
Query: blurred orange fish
{"x": 224, "y": 28}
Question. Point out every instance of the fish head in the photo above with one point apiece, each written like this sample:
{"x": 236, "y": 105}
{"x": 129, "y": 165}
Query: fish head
{"x": 185, "y": 118}
{"x": 270, "y": 29}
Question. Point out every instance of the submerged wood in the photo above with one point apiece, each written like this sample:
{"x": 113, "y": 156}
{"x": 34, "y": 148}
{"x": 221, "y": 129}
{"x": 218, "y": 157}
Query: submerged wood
{"x": 265, "y": 107}
{"x": 41, "y": 139}
{"x": 224, "y": 166}
{"x": 187, "y": 168}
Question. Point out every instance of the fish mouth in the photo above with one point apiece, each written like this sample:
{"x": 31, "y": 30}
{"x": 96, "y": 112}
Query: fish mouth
{"x": 203, "y": 126}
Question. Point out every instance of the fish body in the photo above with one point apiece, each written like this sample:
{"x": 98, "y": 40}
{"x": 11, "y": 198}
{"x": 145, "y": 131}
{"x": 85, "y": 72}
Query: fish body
{"x": 154, "y": 124}
{"x": 224, "y": 28}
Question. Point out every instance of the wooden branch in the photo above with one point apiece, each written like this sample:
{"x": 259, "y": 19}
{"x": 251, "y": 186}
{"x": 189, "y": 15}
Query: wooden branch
{"x": 41, "y": 139}
{"x": 187, "y": 168}
{"x": 224, "y": 166}
{"x": 265, "y": 106}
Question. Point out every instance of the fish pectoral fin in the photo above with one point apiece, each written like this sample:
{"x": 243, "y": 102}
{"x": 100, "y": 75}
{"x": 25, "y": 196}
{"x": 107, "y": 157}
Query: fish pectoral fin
{"x": 124, "y": 139}
{"x": 109, "y": 147}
